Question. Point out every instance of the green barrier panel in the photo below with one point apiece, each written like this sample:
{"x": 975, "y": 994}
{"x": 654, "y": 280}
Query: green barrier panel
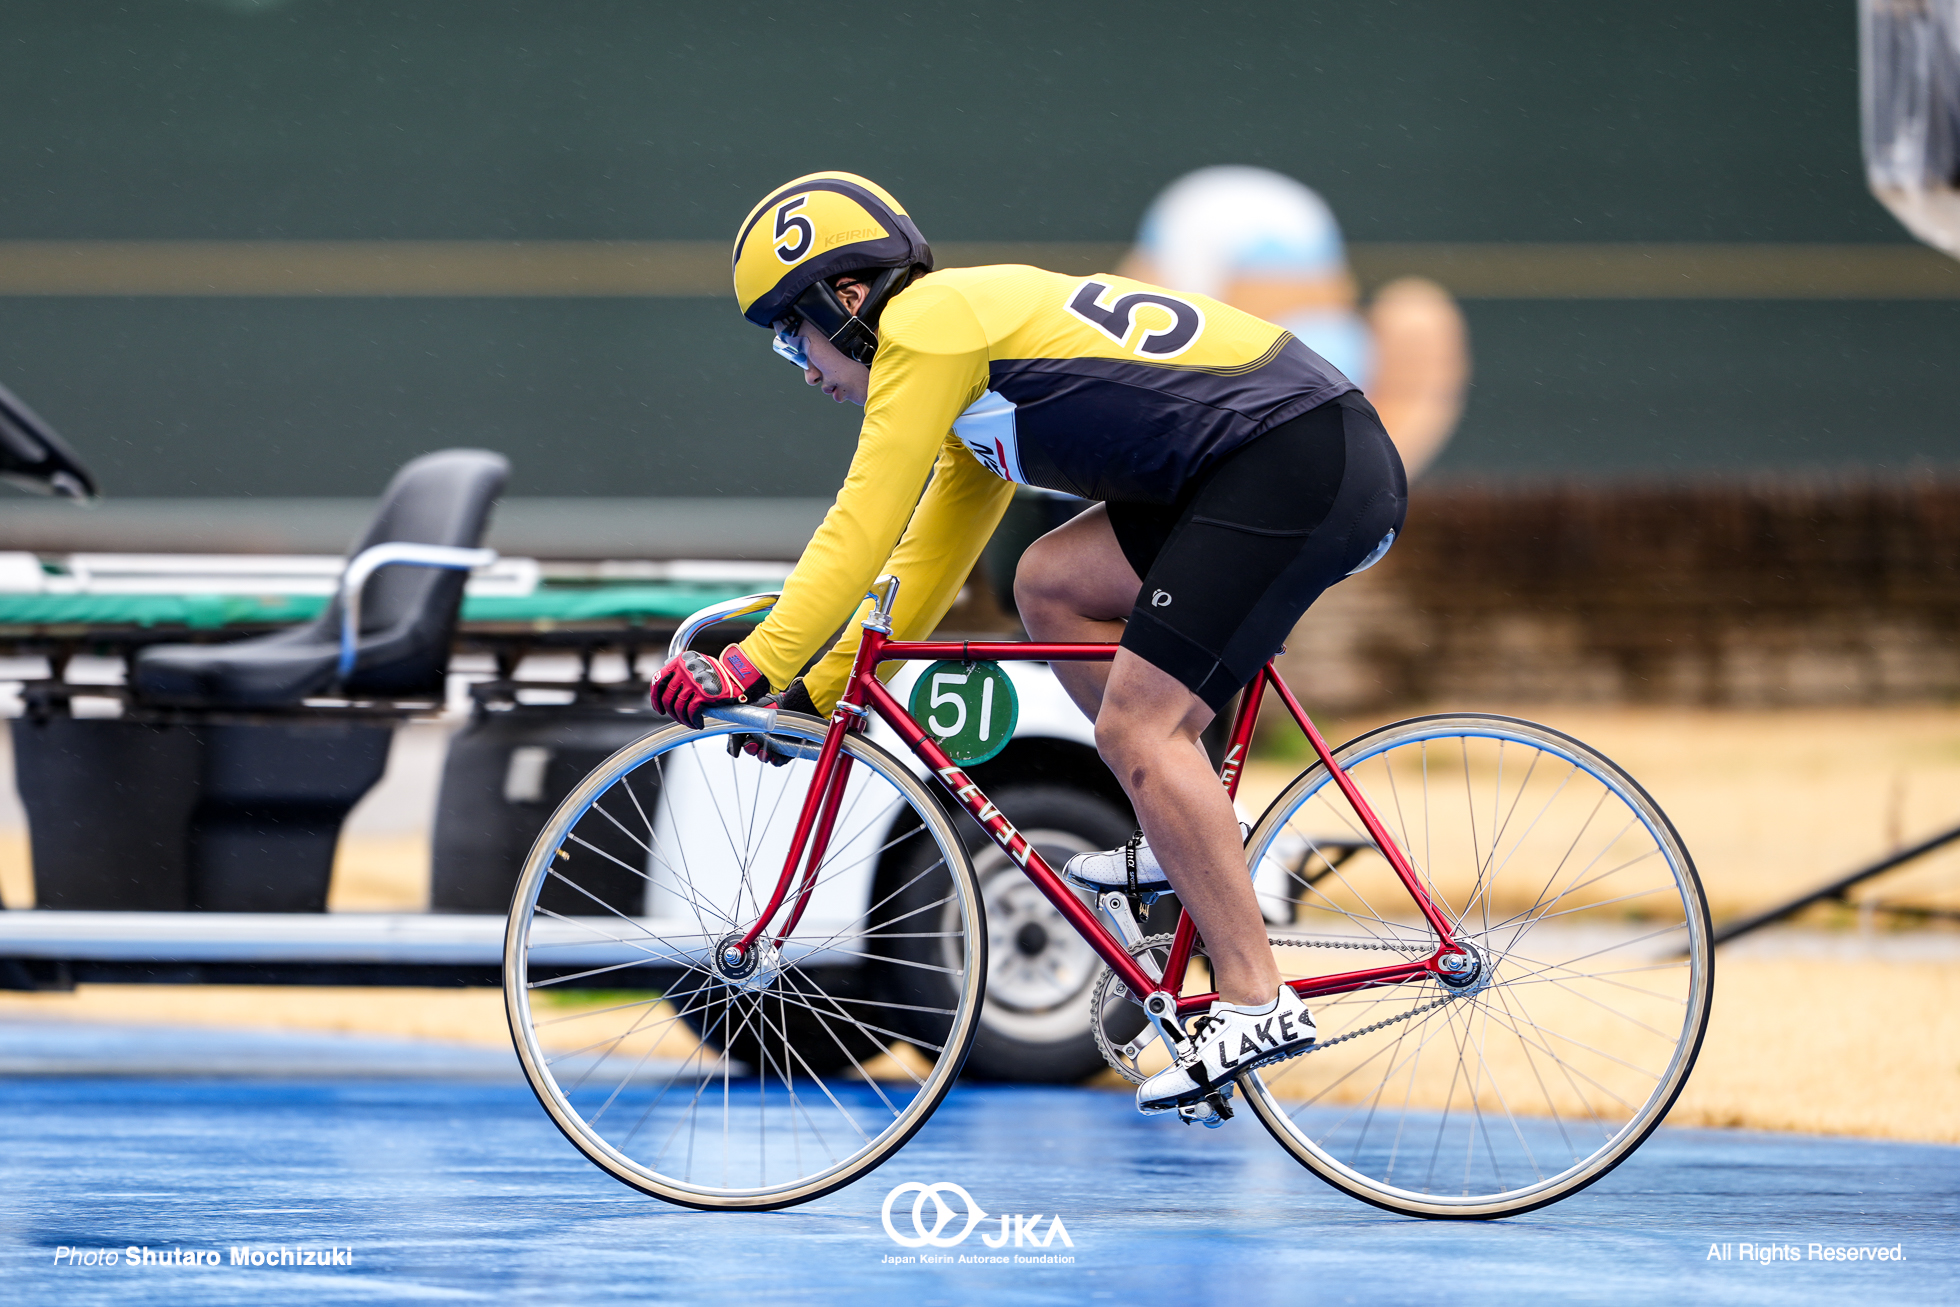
{"x": 582, "y": 604}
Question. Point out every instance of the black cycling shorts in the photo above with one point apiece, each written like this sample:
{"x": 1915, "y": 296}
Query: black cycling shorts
{"x": 1230, "y": 567}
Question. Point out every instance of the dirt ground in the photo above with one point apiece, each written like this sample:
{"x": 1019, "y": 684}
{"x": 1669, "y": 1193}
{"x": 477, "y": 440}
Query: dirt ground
{"x": 1768, "y": 803}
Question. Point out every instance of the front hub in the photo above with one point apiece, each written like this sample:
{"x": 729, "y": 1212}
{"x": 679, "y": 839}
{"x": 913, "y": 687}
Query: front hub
{"x": 753, "y": 969}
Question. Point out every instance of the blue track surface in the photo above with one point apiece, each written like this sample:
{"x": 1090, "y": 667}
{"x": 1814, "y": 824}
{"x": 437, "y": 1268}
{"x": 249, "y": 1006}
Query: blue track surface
{"x": 459, "y": 1189}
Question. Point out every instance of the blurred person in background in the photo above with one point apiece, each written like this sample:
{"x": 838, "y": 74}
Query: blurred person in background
{"x": 1264, "y": 243}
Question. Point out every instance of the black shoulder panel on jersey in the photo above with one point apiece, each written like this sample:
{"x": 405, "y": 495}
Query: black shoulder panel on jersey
{"x": 1138, "y": 432}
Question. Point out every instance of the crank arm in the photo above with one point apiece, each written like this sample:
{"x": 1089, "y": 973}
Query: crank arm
{"x": 1115, "y": 908}
{"x": 1161, "y": 1007}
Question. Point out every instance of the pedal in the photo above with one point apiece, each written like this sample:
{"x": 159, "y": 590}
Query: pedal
{"x": 1210, "y": 1112}
{"x": 1161, "y": 1008}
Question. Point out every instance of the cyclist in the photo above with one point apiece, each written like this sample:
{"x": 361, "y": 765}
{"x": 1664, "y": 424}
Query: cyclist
{"x": 1240, "y": 475}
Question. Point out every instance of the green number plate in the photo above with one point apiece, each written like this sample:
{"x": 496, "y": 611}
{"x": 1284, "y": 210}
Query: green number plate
{"x": 968, "y": 708}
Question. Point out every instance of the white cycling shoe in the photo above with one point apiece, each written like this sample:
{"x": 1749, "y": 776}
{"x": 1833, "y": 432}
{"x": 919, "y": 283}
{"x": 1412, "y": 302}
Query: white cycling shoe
{"x": 1110, "y": 869}
{"x": 1233, "y": 1039}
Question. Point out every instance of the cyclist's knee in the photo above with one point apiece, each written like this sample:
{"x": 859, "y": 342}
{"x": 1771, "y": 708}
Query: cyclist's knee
{"x": 1076, "y": 571}
{"x": 1039, "y": 581}
{"x": 1120, "y": 743}
{"x": 1131, "y": 739}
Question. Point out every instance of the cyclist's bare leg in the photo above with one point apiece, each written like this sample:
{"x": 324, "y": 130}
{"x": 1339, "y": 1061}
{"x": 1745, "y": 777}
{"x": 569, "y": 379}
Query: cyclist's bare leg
{"x": 1148, "y": 733}
{"x": 1074, "y": 586}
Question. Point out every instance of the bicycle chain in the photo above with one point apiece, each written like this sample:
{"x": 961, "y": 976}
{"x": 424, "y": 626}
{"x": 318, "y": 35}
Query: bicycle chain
{"x": 1108, "y": 980}
{"x": 1294, "y": 942}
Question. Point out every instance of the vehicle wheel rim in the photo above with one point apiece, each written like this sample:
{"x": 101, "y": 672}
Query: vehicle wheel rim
{"x": 1042, "y": 996}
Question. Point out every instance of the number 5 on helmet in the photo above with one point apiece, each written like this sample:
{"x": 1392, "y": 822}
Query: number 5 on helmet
{"x": 691, "y": 683}
{"x": 815, "y": 228}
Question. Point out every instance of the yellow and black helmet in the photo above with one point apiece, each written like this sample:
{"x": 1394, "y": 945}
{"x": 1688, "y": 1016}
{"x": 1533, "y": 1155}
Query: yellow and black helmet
{"x": 812, "y": 230}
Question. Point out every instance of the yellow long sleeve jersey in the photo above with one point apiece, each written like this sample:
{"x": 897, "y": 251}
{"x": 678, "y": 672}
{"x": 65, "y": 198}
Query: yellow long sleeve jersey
{"x": 1097, "y": 386}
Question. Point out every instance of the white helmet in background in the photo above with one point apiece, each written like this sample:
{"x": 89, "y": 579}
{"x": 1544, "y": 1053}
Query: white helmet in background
{"x": 1228, "y": 224}
{"x": 1215, "y": 225}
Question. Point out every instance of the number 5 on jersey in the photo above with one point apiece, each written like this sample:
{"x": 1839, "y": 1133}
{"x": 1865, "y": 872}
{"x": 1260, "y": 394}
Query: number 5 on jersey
{"x": 1117, "y": 320}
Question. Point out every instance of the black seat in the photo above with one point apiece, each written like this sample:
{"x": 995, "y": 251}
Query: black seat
{"x": 408, "y": 614}
{"x": 33, "y": 457}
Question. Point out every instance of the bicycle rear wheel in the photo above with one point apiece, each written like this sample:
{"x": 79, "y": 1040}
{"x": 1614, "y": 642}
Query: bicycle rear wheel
{"x": 777, "y": 1082}
{"x": 1582, "y": 1022}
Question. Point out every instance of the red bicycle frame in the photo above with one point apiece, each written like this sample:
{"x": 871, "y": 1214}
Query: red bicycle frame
{"x": 865, "y": 694}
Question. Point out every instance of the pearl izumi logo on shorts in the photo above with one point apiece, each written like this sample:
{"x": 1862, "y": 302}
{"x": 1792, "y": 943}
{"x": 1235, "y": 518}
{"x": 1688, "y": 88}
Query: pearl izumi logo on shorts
{"x": 1160, "y": 599}
{"x": 943, "y": 1215}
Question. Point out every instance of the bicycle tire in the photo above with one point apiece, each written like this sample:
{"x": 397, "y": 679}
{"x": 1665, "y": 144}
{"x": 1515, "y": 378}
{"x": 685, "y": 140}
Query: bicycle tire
{"x": 704, "y": 834}
{"x": 1554, "y": 1071}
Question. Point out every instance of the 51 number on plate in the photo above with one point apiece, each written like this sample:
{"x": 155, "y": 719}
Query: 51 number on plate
{"x": 969, "y": 709}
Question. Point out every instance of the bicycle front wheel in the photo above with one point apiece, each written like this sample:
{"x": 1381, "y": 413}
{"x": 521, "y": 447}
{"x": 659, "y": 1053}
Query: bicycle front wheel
{"x": 1593, "y": 971}
{"x": 777, "y": 1080}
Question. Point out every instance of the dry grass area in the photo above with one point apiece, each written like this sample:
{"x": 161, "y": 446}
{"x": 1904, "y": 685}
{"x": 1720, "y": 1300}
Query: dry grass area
{"x": 1768, "y": 802}
{"x": 1827, "y": 1047}
{"x": 380, "y": 873}
{"x": 371, "y": 873}
{"x": 16, "y": 874}
{"x": 473, "y": 1016}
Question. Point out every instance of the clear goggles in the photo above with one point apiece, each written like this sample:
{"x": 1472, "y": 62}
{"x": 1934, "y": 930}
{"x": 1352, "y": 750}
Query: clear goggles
{"x": 790, "y": 347}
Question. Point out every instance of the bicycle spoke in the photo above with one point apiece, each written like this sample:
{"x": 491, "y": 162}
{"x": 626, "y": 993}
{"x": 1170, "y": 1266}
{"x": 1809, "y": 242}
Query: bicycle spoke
{"x": 1408, "y": 846}
{"x": 730, "y": 1088}
{"x": 1569, "y": 1038}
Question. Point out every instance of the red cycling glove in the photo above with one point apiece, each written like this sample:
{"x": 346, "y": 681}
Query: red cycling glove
{"x": 692, "y": 683}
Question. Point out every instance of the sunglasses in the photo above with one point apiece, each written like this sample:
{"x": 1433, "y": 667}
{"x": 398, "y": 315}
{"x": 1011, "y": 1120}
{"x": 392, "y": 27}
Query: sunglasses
{"x": 791, "y": 347}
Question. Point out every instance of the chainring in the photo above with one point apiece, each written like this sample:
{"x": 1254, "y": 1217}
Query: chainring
{"x": 1110, "y": 989}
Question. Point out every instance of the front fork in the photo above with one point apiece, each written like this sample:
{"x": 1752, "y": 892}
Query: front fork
{"x": 818, "y": 820}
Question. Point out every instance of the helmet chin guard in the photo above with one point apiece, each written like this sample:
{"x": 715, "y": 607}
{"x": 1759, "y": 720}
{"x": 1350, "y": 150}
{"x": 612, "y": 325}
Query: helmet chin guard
{"x": 824, "y": 309}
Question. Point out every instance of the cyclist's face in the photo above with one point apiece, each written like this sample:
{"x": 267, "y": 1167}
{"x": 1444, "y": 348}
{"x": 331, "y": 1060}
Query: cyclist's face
{"x": 841, "y": 378}
{"x": 844, "y": 380}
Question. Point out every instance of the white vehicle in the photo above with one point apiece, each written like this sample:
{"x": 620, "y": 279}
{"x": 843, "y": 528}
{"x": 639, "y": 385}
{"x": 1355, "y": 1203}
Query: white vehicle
{"x": 1035, "y": 1023}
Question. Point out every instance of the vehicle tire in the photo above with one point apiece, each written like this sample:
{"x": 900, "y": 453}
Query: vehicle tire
{"x": 739, "y": 1085}
{"x": 1562, "y": 1048}
{"x": 1034, "y": 1023}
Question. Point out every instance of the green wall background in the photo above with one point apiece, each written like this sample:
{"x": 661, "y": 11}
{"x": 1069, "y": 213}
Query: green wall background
{"x": 1472, "y": 120}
